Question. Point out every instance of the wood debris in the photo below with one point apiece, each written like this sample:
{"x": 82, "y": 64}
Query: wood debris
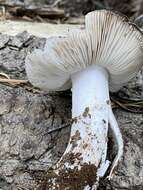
{"x": 16, "y": 11}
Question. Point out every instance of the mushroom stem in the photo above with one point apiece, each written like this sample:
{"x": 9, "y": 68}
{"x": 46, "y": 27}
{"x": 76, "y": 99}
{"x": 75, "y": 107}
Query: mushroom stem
{"x": 84, "y": 160}
{"x": 90, "y": 110}
{"x": 119, "y": 140}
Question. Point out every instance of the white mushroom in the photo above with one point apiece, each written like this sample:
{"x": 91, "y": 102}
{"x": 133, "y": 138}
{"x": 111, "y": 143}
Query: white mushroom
{"x": 105, "y": 55}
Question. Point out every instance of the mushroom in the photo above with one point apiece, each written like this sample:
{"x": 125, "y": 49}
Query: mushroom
{"x": 103, "y": 56}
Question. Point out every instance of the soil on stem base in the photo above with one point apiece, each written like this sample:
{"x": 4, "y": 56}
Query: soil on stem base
{"x": 71, "y": 179}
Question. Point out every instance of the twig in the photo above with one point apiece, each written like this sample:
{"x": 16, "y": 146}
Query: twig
{"x": 4, "y": 75}
{"x": 57, "y": 128}
{"x": 4, "y": 78}
{"x": 129, "y": 105}
{"x": 56, "y": 3}
{"x": 13, "y": 81}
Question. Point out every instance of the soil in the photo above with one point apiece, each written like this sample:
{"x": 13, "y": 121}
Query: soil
{"x": 72, "y": 179}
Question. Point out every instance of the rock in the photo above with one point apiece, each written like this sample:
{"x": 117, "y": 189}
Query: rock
{"x": 25, "y": 119}
{"x": 130, "y": 171}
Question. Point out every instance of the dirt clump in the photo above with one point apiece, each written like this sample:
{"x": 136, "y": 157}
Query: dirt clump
{"x": 72, "y": 179}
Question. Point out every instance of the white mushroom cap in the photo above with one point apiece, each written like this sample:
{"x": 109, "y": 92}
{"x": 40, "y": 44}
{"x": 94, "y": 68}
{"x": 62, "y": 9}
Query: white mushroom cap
{"x": 108, "y": 40}
{"x": 51, "y": 68}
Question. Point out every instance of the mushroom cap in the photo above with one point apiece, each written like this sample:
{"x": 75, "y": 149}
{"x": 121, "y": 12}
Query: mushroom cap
{"x": 108, "y": 40}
